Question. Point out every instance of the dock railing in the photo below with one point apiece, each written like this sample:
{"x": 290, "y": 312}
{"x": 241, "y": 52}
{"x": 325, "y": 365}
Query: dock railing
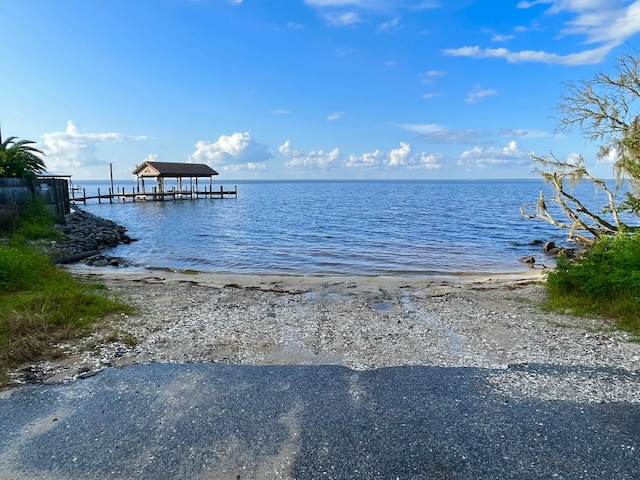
{"x": 121, "y": 195}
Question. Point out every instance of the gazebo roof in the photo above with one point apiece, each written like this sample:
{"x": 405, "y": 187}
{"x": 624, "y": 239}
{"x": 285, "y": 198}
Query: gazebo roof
{"x": 174, "y": 170}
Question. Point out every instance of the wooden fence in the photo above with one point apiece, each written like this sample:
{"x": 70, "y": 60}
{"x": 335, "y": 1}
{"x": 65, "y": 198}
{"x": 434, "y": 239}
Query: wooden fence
{"x": 54, "y": 191}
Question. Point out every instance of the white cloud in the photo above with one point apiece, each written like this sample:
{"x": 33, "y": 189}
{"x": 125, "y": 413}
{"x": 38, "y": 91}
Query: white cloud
{"x": 612, "y": 156}
{"x": 251, "y": 166}
{"x": 432, "y": 133}
{"x": 342, "y": 19}
{"x": 430, "y": 75}
{"x": 152, "y": 157}
{"x": 281, "y": 112}
{"x": 509, "y": 132}
{"x": 286, "y": 149}
{"x": 476, "y": 95}
{"x": 368, "y": 160}
{"x": 607, "y": 23}
{"x": 429, "y": 161}
{"x": 573, "y": 159}
{"x": 231, "y": 151}
{"x": 350, "y": 12}
{"x": 73, "y": 149}
{"x": 399, "y": 157}
{"x": 312, "y": 159}
{"x": 490, "y": 157}
{"x": 388, "y": 26}
{"x": 502, "y": 38}
{"x": 585, "y": 57}
{"x": 335, "y": 116}
{"x": 601, "y": 21}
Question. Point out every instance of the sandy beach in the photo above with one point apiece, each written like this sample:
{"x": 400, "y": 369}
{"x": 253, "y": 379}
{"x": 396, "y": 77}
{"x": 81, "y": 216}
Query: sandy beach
{"x": 359, "y": 322}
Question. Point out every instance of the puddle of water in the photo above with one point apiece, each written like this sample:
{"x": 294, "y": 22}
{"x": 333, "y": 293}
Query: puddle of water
{"x": 318, "y": 296}
{"x": 381, "y": 307}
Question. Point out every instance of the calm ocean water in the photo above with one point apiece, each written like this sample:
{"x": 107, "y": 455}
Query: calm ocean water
{"x": 344, "y": 228}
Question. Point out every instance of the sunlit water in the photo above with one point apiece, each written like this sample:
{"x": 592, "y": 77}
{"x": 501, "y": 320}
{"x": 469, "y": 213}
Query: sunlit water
{"x": 345, "y": 228}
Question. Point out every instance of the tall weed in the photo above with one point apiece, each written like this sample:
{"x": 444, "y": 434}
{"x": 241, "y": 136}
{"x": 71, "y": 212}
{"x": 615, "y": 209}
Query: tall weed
{"x": 40, "y": 304}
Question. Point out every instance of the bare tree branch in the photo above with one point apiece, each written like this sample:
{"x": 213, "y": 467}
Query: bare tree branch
{"x": 557, "y": 172}
{"x": 606, "y": 109}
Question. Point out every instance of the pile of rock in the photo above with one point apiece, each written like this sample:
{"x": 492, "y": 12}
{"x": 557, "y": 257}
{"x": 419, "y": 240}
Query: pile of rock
{"x": 551, "y": 250}
{"x": 85, "y": 236}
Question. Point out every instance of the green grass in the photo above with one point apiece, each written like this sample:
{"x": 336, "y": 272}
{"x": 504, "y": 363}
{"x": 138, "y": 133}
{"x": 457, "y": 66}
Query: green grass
{"x": 40, "y": 304}
{"x": 35, "y": 222}
{"x": 604, "y": 281}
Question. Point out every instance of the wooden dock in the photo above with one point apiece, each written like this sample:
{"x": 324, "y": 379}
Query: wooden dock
{"x": 120, "y": 195}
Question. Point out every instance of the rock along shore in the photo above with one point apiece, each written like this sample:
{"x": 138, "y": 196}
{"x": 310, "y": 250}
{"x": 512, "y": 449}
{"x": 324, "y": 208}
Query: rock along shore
{"x": 86, "y": 236}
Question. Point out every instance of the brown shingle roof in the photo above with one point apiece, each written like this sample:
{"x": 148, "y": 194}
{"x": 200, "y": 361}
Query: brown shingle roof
{"x": 174, "y": 170}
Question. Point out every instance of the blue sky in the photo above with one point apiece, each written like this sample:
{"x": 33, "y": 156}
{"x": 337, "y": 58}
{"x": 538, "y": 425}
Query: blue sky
{"x": 304, "y": 89}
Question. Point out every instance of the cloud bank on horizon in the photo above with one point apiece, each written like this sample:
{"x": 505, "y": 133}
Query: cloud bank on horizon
{"x": 362, "y": 88}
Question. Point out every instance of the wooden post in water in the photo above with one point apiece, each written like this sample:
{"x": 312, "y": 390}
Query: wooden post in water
{"x": 84, "y": 195}
{"x": 111, "y": 174}
{"x": 110, "y": 195}
{"x": 221, "y": 191}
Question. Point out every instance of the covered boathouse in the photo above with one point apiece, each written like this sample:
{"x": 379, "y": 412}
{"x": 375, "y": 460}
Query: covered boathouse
{"x": 170, "y": 178}
{"x": 162, "y": 171}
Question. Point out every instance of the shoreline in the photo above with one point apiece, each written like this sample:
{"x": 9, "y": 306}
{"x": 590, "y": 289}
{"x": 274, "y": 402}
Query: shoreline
{"x": 360, "y": 322}
{"x": 209, "y": 276}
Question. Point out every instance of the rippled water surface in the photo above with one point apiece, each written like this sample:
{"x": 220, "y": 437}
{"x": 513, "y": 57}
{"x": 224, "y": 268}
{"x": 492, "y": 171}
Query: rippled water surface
{"x": 360, "y": 228}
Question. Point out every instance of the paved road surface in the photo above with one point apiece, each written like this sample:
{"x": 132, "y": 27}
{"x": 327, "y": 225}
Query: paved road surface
{"x": 204, "y": 421}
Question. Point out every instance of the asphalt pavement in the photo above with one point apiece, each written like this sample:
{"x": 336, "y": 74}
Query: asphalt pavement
{"x": 206, "y": 421}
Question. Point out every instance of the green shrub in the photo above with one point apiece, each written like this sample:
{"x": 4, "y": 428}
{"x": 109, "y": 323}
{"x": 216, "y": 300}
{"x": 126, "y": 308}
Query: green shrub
{"x": 35, "y": 222}
{"x": 605, "y": 280}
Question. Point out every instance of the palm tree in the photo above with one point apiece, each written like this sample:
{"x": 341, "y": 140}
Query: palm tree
{"x": 19, "y": 159}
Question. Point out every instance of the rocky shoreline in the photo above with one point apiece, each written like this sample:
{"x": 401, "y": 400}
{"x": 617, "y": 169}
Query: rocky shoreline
{"x": 86, "y": 236}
